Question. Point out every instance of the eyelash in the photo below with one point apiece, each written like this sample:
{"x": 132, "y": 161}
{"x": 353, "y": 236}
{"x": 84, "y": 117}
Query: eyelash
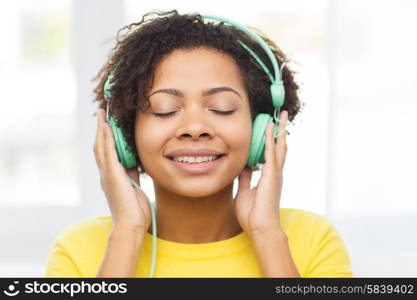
{"x": 164, "y": 115}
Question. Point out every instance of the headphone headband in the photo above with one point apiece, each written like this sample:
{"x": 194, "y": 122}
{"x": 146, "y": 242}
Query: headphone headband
{"x": 260, "y": 41}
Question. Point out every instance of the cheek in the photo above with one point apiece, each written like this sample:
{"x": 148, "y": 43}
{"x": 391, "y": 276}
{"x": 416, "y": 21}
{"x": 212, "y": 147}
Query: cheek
{"x": 149, "y": 140}
{"x": 238, "y": 139}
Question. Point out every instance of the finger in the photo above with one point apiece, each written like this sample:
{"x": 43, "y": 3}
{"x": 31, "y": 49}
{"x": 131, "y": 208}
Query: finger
{"x": 269, "y": 169}
{"x": 281, "y": 145}
{"x": 110, "y": 153}
{"x": 244, "y": 179}
{"x": 269, "y": 145}
{"x": 98, "y": 144}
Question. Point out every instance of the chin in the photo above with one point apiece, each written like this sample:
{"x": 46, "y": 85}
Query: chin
{"x": 197, "y": 188}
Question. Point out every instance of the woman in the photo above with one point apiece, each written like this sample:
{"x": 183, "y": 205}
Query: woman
{"x": 185, "y": 94}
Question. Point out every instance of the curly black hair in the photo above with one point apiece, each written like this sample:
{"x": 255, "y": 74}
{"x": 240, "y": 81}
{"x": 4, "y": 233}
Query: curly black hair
{"x": 141, "y": 46}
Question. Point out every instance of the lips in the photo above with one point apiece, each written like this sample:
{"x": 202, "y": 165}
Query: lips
{"x": 193, "y": 152}
{"x": 197, "y": 168}
{"x": 217, "y": 157}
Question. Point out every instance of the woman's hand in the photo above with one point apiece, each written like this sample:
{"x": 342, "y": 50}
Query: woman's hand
{"x": 257, "y": 209}
{"x": 129, "y": 207}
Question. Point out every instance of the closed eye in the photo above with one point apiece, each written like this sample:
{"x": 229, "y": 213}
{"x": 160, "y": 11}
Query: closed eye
{"x": 164, "y": 115}
{"x": 220, "y": 112}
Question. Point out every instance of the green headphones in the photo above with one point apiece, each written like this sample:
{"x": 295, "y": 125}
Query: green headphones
{"x": 257, "y": 148}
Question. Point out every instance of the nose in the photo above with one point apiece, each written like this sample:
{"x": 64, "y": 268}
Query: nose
{"x": 194, "y": 126}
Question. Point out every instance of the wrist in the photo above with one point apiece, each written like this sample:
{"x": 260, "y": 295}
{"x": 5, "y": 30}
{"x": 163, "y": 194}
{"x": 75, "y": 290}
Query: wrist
{"x": 125, "y": 237}
{"x": 273, "y": 229}
{"x": 127, "y": 227}
{"x": 127, "y": 230}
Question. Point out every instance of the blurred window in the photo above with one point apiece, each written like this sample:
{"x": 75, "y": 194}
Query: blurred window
{"x": 38, "y": 164}
{"x": 374, "y": 83}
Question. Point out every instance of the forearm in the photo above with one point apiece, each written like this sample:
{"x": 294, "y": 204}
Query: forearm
{"x": 273, "y": 254}
{"x": 122, "y": 253}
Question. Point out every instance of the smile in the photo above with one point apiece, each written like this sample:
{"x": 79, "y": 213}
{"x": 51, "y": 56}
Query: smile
{"x": 195, "y": 167}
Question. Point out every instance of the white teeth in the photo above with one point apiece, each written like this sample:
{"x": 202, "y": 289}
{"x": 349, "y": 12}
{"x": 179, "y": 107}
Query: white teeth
{"x": 197, "y": 159}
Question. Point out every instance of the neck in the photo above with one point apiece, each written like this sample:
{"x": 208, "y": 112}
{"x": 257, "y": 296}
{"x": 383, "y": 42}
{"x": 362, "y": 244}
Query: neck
{"x": 195, "y": 220}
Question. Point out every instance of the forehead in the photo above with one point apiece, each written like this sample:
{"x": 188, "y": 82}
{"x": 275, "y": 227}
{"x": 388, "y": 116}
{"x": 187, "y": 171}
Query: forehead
{"x": 197, "y": 66}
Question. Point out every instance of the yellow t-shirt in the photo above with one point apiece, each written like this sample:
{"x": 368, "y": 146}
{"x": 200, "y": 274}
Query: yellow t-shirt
{"x": 315, "y": 245}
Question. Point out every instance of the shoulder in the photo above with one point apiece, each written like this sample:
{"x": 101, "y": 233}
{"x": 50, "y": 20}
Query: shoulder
{"x": 290, "y": 217}
{"x": 309, "y": 230}
{"x": 77, "y": 251}
{"x": 91, "y": 229}
{"x": 315, "y": 243}
{"x": 305, "y": 225}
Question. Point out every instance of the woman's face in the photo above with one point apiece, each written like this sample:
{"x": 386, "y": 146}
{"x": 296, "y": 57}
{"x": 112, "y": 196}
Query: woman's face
{"x": 195, "y": 123}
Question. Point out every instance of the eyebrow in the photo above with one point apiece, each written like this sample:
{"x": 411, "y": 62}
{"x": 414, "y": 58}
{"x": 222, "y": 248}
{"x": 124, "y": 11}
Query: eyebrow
{"x": 208, "y": 92}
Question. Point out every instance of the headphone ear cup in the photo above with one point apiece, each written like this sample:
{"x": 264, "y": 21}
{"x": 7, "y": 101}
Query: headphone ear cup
{"x": 126, "y": 156}
{"x": 257, "y": 147}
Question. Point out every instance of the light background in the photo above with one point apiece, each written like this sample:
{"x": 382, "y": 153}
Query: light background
{"x": 351, "y": 154}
